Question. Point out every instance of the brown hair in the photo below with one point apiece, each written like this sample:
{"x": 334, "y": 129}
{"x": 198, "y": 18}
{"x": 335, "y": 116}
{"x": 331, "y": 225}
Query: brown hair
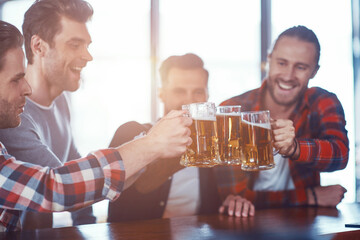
{"x": 187, "y": 61}
{"x": 304, "y": 34}
{"x": 10, "y": 37}
{"x": 43, "y": 19}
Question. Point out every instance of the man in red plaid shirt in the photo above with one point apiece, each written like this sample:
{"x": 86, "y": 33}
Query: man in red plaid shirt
{"x": 308, "y": 127}
{"x": 81, "y": 182}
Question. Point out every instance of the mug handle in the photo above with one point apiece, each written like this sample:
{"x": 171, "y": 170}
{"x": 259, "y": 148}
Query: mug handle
{"x": 186, "y": 108}
{"x": 275, "y": 151}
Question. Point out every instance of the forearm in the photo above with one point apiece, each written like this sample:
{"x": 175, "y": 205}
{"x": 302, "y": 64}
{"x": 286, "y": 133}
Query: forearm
{"x": 323, "y": 143}
{"x": 296, "y": 197}
{"x": 323, "y": 155}
{"x": 168, "y": 138}
{"x": 311, "y": 197}
{"x": 137, "y": 154}
{"x": 77, "y": 184}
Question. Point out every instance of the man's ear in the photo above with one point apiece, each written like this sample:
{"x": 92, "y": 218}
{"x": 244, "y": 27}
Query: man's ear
{"x": 268, "y": 57}
{"x": 315, "y": 72}
{"x": 161, "y": 94}
{"x": 38, "y": 46}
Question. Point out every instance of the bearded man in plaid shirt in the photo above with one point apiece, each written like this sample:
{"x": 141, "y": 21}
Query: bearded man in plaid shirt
{"x": 308, "y": 127}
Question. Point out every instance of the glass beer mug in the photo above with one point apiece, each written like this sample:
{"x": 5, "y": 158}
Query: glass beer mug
{"x": 204, "y": 150}
{"x": 257, "y": 141}
{"x": 228, "y": 119}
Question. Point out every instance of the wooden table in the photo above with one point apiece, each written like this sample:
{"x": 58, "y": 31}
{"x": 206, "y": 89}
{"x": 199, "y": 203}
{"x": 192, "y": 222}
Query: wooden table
{"x": 280, "y": 223}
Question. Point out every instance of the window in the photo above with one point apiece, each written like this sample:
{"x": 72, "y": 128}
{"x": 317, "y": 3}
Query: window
{"x": 224, "y": 33}
{"x": 116, "y": 86}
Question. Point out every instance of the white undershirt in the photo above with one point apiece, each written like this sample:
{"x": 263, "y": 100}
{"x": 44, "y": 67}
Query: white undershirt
{"x": 184, "y": 195}
{"x": 277, "y": 178}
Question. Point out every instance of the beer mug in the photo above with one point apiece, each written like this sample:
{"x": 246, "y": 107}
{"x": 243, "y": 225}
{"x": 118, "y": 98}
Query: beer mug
{"x": 204, "y": 150}
{"x": 228, "y": 120}
{"x": 257, "y": 141}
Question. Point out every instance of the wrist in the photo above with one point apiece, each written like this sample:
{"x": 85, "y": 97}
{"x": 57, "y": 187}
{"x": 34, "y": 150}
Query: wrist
{"x": 312, "y": 197}
{"x": 137, "y": 154}
{"x": 293, "y": 153}
{"x": 150, "y": 148}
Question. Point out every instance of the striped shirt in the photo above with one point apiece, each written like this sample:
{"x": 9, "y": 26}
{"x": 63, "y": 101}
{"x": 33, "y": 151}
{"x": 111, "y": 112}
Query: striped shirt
{"x": 319, "y": 123}
{"x": 79, "y": 183}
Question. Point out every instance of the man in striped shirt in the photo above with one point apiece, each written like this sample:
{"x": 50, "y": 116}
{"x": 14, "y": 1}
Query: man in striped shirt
{"x": 308, "y": 128}
{"x": 81, "y": 182}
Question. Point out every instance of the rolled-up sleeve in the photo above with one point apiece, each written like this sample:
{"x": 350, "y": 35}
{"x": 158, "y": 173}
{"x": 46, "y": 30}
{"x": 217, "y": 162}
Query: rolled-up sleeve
{"x": 81, "y": 182}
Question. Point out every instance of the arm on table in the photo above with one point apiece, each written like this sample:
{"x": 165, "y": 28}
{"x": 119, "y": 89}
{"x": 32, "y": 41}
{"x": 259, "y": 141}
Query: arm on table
{"x": 234, "y": 181}
{"x": 327, "y": 196}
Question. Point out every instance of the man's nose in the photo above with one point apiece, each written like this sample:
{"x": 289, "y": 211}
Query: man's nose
{"x": 289, "y": 73}
{"x": 188, "y": 99}
{"x": 86, "y": 55}
{"x": 26, "y": 88}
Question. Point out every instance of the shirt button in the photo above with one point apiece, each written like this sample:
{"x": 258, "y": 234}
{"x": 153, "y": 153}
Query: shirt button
{"x": 162, "y": 203}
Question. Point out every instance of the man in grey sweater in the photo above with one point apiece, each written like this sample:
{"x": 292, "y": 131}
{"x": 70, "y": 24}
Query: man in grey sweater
{"x": 101, "y": 174}
{"x": 56, "y": 45}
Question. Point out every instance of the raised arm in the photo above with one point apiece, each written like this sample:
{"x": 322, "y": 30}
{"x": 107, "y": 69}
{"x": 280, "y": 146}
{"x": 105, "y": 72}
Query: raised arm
{"x": 161, "y": 168}
{"x": 316, "y": 139}
{"x": 24, "y": 186}
{"x": 78, "y": 183}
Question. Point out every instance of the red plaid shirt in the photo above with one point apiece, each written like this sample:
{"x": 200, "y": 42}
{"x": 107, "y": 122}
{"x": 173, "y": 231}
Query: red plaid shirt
{"x": 324, "y": 147}
{"x": 79, "y": 183}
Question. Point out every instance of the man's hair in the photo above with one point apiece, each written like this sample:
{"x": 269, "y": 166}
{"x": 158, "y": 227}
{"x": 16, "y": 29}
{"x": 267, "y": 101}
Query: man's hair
{"x": 187, "y": 61}
{"x": 304, "y": 34}
{"x": 44, "y": 16}
{"x": 10, "y": 38}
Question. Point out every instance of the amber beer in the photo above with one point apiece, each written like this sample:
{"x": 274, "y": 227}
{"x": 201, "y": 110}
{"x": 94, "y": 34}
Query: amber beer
{"x": 257, "y": 144}
{"x": 204, "y": 150}
{"x": 228, "y": 121}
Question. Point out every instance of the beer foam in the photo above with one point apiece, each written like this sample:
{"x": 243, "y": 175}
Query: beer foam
{"x": 229, "y": 114}
{"x": 262, "y": 125}
{"x": 205, "y": 118}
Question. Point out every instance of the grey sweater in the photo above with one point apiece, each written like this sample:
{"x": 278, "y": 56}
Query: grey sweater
{"x": 44, "y": 136}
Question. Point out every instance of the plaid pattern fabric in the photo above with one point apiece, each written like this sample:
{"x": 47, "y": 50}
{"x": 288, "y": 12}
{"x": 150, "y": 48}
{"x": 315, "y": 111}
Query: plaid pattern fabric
{"x": 320, "y": 130}
{"x": 28, "y": 187}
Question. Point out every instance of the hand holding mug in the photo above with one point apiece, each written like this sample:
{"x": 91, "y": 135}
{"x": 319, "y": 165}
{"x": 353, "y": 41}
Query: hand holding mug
{"x": 284, "y": 137}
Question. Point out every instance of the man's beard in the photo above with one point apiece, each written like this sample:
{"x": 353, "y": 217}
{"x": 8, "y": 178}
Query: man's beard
{"x": 7, "y": 120}
{"x": 281, "y": 102}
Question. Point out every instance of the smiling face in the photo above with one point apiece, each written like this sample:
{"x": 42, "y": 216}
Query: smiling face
{"x": 62, "y": 63}
{"x": 184, "y": 86}
{"x": 13, "y": 88}
{"x": 291, "y": 65}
